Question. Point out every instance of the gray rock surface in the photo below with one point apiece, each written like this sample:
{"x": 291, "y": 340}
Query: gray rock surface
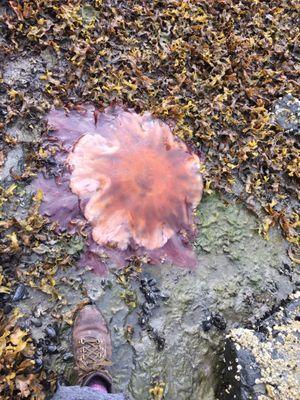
{"x": 13, "y": 163}
{"x": 24, "y": 133}
{"x": 240, "y": 277}
{"x": 287, "y": 113}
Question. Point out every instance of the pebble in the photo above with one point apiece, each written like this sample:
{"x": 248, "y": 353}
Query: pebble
{"x": 37, "y": 322}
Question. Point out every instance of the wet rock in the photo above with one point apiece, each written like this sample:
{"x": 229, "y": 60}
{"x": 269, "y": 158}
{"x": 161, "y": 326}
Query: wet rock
{"x": 48, "y": 57}
{"x": 14, "y": 163}
{"x": 23, "y": 132}
{"x": 237, "y": 270}
{"x": 239, "y": 375}
{"x": 239, "y": 277}
{"x": 287, "y": 113}
{"x": 88, "y": 13}
{"x": 95, "y": 289}
{"x": 22, "y": 72}
{"x": 37, "y": 322}
{"x": 263, "y": 364}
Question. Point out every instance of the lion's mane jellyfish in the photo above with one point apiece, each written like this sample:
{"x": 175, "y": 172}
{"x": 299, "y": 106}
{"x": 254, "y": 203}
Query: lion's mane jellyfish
{"x": 128, "y": 179}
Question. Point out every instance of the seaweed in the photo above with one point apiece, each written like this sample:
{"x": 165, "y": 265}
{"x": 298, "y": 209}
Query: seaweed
{"x": 215, "y": 70}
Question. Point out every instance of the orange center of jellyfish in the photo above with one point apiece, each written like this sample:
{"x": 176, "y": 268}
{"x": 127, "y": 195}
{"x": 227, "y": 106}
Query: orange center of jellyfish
{"x": 148, "y": 173}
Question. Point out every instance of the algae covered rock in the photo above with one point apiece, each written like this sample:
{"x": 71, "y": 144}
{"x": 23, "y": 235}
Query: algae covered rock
{"x": 263, "y": 364}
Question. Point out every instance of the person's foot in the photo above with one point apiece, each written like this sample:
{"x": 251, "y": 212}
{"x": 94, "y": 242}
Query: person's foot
{"x": 92, "y": 347}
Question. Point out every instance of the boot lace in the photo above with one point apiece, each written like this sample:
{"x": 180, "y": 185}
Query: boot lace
{"x": 91, "y": 356}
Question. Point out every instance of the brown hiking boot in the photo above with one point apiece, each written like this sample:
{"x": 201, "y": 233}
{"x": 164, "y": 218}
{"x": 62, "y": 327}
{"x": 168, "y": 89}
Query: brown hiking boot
{"x": 92, "y": 347}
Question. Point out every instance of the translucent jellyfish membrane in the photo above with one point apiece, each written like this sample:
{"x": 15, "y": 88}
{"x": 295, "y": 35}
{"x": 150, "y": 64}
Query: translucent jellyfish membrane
{"x": 135, "y": 184}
